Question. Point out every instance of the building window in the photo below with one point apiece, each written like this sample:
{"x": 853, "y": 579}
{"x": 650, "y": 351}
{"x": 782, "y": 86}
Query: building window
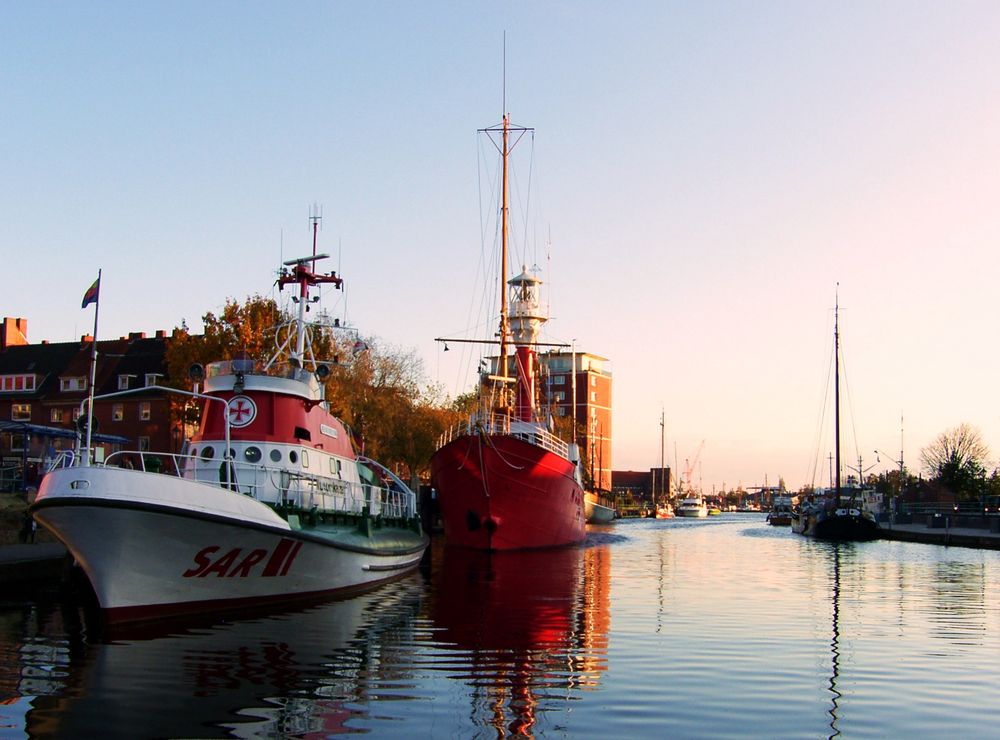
{"x": 20, "y": 411}
{"x": 17, "y": 442}
{"x": 73, "y": 384}
{"x": 560, "y": 411}
{"x": 593, "y": 395}
{"x": 118, "y": 412}
{"x": 76, "y": 413}
{"x": 144, "y": 411}
{"x": 151, "y": 378}
{"x": 143, "y": 444}
{"x": 559, "y": 379}
{"x": 56, "y": 415}
{"x": 593, "y": 380}
{"x": 15, "y": 383}
{"x": 123, "y": 382}
{"x": 560, "y": 396}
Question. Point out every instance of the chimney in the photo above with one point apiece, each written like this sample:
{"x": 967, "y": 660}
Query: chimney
{"x": 13, "y": 332}
{"x": 133, "y": 335}
{"x": 161, "y": 334}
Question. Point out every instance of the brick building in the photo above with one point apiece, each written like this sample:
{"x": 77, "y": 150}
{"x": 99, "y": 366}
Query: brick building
{"x": 591, "y": 380}
{"x": 635, "y": 489}
{"x": 42, "y": 387}
{"x": 554, "y": 387}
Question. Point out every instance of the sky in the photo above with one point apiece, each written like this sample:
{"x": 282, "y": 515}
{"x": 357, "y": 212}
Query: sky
{"x": 701, "y": 178}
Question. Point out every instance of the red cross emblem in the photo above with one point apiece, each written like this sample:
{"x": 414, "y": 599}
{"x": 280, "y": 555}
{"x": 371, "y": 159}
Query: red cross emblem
{"x": 242, "y": 411}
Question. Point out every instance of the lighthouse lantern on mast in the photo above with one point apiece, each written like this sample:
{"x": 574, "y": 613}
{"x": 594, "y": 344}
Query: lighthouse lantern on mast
{"x": 526, "y": 319}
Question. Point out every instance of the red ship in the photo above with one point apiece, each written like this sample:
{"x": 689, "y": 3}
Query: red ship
{"x": 503, "y": 480}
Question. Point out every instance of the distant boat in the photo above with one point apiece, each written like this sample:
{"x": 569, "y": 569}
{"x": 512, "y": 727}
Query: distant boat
{"x": 504, "y": 481}
{"x": 692, "y": 506}
{"x": 781, "y": 512}
{"x": 830, "y": 517}
{"x": 662, "y": 502}
{"x": 596, "y": 512}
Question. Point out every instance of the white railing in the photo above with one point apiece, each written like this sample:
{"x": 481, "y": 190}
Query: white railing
{"x": 502, "y": 424}
{"x": 274, "y": 485}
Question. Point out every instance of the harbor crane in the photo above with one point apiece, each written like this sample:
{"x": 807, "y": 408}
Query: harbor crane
{"x": 689, "y": 466}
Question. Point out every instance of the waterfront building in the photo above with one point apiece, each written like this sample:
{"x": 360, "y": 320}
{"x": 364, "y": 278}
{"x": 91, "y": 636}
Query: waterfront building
{"x": 591, "y": 379}
{"x": 635, "y": 490}
{"x": 43, "y": 387}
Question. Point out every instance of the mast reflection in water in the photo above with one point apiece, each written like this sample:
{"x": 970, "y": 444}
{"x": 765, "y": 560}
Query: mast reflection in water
{"x": 835, "y": 640}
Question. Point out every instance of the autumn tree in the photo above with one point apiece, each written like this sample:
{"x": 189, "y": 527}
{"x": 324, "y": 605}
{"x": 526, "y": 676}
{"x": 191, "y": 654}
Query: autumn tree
{"x": 376, "y": 389}
{"x": 957, "y": 460}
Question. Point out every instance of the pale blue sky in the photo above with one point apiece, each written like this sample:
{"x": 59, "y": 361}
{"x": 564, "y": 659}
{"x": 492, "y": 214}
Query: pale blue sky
{"x": 707, "y": 171}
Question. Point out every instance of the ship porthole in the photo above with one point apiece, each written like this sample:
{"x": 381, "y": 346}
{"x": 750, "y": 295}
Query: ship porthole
{"x": 252, "y": 454}
{"x": 293, "y": 457}
{"x": 207, "y": 453}
{"x": 275, "y": 455}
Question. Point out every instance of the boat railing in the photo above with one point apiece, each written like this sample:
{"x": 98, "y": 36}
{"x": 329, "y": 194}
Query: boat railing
{"x": 503, "y": 424}
{"x": 274, "y": 485}
{"x": 65, "y": 459}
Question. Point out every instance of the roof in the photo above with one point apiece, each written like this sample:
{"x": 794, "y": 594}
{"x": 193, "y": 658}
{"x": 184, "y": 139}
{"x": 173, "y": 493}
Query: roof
{"x": 38, "y": 430}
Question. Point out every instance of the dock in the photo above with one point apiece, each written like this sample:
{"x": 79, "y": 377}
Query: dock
{"x": 938, "y": 531}
{"x": 32, "y": 563}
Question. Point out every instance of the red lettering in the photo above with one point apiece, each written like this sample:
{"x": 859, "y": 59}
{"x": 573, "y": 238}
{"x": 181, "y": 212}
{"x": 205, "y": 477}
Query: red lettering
{"x": 243, "y": 569}
{"x": 273, "y": 566}
{"x": 291, "y": 557}
{"x": 202, "y": 560}
{"x": 220, "y": 566}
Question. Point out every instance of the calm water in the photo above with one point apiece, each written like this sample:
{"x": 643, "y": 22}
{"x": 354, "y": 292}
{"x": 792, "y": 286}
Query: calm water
{"x": 723, "y": 627}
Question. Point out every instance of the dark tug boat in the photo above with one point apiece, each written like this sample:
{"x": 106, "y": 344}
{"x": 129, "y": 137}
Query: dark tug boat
{"x": 832, "y": 518}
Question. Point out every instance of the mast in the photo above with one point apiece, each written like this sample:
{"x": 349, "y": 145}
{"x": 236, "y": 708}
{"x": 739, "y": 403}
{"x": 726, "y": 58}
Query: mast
{"x": 522, "y": 317}
{"x": 504, "y": 152}
{"x": 836, "y": 390}
{"x": 303, "y": 273}
{"x": 663, "y": 478}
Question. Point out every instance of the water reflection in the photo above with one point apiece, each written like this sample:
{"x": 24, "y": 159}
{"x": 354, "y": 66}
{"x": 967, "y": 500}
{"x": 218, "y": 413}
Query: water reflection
{"x": 530, "y": 628}
{"x": 287, "y": 673}
{"x": 835, "y": 639}
{"x": 724, "y": 629}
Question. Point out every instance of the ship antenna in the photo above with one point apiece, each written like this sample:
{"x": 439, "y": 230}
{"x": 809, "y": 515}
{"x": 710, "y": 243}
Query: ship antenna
{"x": 503, "y": 92}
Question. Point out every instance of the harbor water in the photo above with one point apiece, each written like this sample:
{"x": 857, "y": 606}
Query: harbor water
{"x": 720, "y": 627}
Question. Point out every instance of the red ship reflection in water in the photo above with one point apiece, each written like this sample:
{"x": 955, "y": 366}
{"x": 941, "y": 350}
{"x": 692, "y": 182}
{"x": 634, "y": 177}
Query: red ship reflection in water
{"x": 531, "y": 625}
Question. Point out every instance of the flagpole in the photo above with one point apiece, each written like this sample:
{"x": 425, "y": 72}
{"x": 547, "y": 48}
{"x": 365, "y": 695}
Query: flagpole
{"x": 93, "y": 371}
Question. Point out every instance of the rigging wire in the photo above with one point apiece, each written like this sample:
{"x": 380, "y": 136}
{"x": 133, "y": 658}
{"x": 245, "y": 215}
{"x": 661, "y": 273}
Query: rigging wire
{"x": 850, "y": 411}
{"x": 824, "y": 408}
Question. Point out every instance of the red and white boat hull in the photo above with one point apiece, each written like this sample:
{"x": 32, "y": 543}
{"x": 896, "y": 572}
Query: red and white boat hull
{"x": 499, "y": 492}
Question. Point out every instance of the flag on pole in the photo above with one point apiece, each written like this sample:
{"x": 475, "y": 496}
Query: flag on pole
{"x": 91, "y": 295}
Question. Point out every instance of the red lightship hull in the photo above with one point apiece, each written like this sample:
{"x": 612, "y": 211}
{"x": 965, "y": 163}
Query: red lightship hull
{"x": 499, "y": 492}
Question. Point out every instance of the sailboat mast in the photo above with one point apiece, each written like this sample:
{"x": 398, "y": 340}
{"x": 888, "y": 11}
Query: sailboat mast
{"x": 663, "y": 478}
{"x": 503, "y": 247}
{"x": 836, "y": 391}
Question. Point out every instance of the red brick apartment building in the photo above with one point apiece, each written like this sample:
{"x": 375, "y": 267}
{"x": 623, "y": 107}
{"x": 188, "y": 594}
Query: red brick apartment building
{"x": 43, "y": 385}
{"x": 591, "y": 379}
{"x": 554, "y": 387}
